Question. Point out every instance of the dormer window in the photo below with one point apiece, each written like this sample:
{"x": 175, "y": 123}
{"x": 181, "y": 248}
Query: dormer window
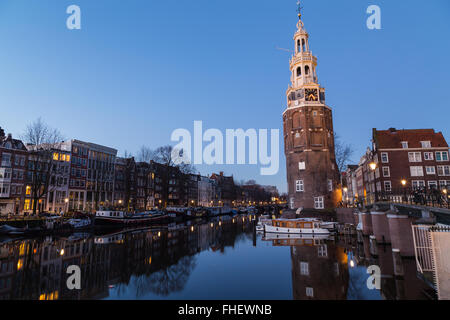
{"x": 425, "y": 144}
{"x": 405, "y": 144}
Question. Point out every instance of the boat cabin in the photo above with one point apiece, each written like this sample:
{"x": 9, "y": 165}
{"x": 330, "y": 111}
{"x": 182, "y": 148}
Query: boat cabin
{"x": 296, "y": 224}
{"x": 110, "y": 214}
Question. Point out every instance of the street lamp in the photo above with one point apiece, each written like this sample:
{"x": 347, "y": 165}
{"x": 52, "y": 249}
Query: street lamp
{"x": 373, "y": 167}
{"x": 66, "y": 201}
{"x": 405, "y": 199}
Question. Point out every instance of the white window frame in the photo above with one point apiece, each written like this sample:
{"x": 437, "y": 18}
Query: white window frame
{"x": 425, "y": 144}
{"x": 299, "y": 186}
{"x": 388, "y": 174}
{"x": 405, "y": 145}
{"x": 415, "y": 156}
{"x": 302, "y": 165}
{"x": 330, "y": 185}
{"x": 319, "y": 203}
{"x": 310, "y": 292}
{"x": 387, "y": 157}
{"x": 304, "y": 268}
{"x": 441, "y": 156}
{"x": 416, "y": 172}
{"x": 441, "y": 171}
{"x": 386, "y": 184}
{"x": 428, "y": 156}
{"x": 435, "y": 183}
{"x": 418, "y": 184}
{"x": 430, "y": 172}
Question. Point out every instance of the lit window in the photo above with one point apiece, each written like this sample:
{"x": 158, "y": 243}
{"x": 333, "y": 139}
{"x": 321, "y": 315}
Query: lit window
{"x": 28, "y": 191}
{"x": 302, "y": 165}
{"x": 55, "y": 156}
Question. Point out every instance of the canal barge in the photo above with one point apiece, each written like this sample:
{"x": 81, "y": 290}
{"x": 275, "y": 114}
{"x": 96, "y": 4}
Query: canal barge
{"x": 124, "y": 218}
{"x": 296, "y": 226}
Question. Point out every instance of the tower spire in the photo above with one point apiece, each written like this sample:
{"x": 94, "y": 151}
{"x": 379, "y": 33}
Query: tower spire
{"x": 299, "y": 9}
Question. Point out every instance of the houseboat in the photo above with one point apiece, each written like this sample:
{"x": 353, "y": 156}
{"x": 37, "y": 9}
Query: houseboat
{"x": 126, "y": 218}
{"x": 296, "y": 226}
{"x": 263, "y": 220}
{"x": 176, "y": 213}
{"x": 219, "y": 211}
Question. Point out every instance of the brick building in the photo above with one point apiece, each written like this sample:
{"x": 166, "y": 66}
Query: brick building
{"x": 420, "y": 157}
{"x": 312, "y": 173}
{"x": 226, "y": 189}
{"x": 13, "y": 165}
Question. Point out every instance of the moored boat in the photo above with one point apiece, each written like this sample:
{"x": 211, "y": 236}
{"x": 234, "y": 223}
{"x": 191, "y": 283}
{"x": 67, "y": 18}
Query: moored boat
{"x": 124, "y": 218}
{"x": 296, "y": 226}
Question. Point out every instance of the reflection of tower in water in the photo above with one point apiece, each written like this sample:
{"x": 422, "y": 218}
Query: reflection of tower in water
{"x": 319, "y": 271}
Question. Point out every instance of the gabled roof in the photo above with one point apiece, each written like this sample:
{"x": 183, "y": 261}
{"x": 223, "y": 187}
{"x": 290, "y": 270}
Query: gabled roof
{"x": 392, "y": 138}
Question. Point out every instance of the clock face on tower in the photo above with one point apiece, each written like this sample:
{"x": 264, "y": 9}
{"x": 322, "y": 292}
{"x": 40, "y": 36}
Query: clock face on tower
{"x": 311, "y": 95}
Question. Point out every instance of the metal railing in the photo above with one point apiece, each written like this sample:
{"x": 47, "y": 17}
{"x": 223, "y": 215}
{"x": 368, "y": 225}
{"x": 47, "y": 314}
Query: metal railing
{"x": 422, "y": 196}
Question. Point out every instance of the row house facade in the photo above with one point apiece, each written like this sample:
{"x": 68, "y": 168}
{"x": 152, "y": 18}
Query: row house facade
{"x": 13, "y": 166}
{"x": 420, "y": 157}
{"x": 404, "y": 161}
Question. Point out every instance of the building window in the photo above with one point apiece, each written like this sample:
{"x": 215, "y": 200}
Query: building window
{"x": 416, "y": 171}
{"x": 386, "y": 172}
{"x": 310, "y": 292}
{"x": 292, "y": 203}
{"x": 299, "y": 186}
{"x": 405, "y": 144}
{"x": 304, "y": 268}
{"x": 425, "y": 144}
{"x": 302, "y": 165}
{"x": 442, "y": 156}
{"x": 428, "y": 156}
{"x": 330, "y": 185}
{"x": 387, "y": 186}
{"x": 418, "y": 184}
{"x": 322, "y": 251}
{"x": 432, "y": 184}
{"x": 319, "y": 203}
{"x": 415, "y": 157}
{"x": 444, "y": 184}
{"x": 384, "y": 157}
{"x": 431, "y": 170}
{"x": 299, "y": 71}
{"x": 443, "y": 170}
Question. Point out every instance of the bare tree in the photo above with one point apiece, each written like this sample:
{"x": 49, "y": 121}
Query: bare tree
{"x": 343, "y": 153}
{"x": 145, "y": 154}
{"x": 42, "y": 141}
{"x": 172, "y": 167}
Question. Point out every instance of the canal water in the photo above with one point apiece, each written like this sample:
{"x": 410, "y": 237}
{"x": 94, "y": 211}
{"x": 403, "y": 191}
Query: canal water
{"x": 210, "y": 259}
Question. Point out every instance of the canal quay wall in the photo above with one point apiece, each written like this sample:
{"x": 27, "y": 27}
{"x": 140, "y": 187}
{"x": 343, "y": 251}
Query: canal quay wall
{"x": 390, "y": 224}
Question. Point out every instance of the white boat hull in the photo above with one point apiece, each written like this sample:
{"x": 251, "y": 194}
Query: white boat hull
{"x": 290, "y": 236}
{"x": 313, "y": 231}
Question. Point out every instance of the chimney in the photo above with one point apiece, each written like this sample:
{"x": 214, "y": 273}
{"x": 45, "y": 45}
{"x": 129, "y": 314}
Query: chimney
{"x": 393, "y": 130}
{"x": 9, "y": 136}
{"x": 2, "y": 133}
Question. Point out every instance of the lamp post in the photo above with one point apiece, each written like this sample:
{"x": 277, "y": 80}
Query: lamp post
{"x": 66, "y": 201}
{"x": 373, "y": 167}
{"x": 405, "y": 199}
{"x": 346, "y": 196}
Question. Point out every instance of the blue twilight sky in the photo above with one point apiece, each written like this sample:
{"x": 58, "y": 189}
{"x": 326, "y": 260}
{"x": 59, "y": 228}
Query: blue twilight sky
{"x": 139, "y": 69}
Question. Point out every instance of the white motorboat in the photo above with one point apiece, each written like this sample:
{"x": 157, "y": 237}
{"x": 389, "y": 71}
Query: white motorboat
{"x": 296, "y": 226}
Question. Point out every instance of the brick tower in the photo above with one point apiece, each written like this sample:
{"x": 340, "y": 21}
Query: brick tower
{"x": 312, "y": 173}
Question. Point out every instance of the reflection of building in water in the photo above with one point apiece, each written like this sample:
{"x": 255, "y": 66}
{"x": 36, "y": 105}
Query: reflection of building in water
{"x": 157, "y": 261}
{"x": 319, "y": 271}
{"x": 432, "y": 247}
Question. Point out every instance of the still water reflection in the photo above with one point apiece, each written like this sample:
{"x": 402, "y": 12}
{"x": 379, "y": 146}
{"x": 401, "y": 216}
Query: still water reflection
{"x": 222, "y": 259}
